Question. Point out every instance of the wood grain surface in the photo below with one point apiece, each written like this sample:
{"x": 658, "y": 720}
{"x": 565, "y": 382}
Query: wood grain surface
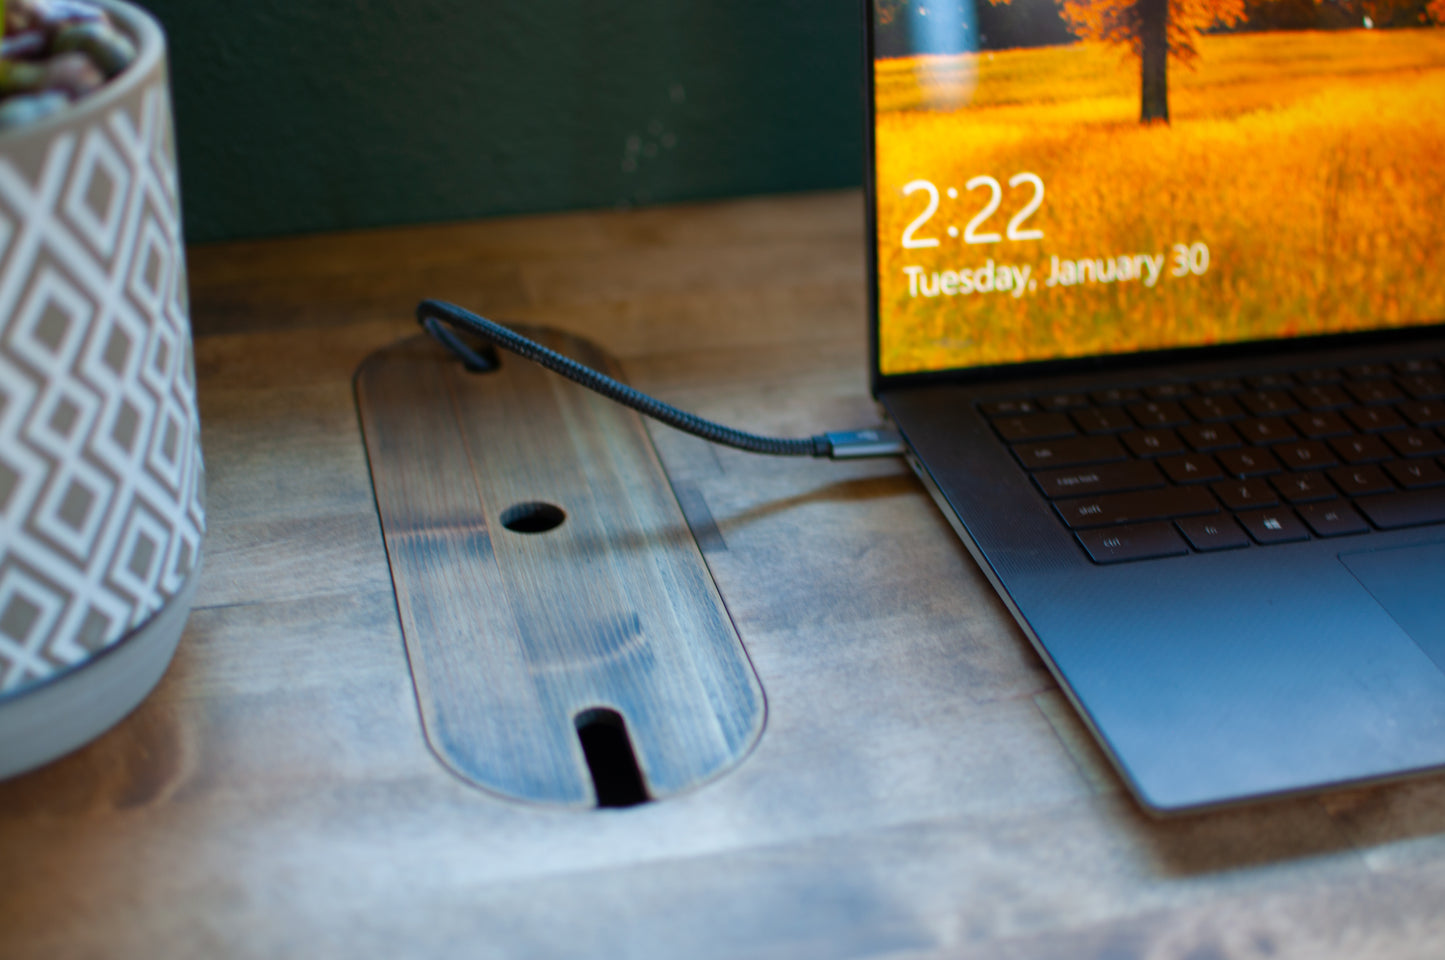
{"x": 921, "y": 789}
{"x": 600, "y": 606}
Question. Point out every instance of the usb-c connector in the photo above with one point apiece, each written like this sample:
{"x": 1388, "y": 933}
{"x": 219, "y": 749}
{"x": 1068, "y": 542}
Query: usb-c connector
{"x": 861, "y": 444}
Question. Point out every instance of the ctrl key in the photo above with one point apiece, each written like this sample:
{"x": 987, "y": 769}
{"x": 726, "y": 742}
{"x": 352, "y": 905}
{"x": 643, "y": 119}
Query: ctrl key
{"x": 1132, "y": 541}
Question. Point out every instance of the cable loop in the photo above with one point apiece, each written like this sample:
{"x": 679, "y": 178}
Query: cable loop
{"x": 441, "y": 320}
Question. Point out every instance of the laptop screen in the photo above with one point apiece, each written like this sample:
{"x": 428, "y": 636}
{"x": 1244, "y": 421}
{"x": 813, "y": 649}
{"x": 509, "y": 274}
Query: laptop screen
{"x": 1057, "y": 179}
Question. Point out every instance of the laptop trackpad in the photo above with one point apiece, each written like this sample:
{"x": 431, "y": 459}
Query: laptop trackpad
{"x": 1409, "y": 582}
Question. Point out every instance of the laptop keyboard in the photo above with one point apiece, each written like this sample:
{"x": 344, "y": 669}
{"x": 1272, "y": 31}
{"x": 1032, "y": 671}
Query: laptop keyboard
{"x": 1224, "y": 463}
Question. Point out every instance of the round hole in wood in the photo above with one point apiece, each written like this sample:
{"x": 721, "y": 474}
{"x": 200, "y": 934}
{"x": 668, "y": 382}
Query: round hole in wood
{"x": 533, "y": 517}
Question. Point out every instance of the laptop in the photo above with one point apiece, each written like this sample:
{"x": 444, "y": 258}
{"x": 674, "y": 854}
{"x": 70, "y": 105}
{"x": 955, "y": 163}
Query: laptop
{"x": 1157, "y": 306}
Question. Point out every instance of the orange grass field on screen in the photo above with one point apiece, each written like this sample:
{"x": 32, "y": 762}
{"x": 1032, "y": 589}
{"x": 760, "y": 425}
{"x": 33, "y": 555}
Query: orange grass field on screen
{"x": 1025, "y": 211}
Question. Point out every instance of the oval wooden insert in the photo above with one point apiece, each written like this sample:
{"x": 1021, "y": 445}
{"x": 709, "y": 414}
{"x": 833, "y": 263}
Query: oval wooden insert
{"x": 511, "y": 633}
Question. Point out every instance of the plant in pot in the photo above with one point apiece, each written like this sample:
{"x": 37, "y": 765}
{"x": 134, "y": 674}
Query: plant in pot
{"x": 54, "y": 53}
{"x": 101, "y": 482}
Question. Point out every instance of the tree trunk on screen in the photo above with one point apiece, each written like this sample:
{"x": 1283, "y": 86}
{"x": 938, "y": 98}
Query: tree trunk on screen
{"x": 1153, "y": 61}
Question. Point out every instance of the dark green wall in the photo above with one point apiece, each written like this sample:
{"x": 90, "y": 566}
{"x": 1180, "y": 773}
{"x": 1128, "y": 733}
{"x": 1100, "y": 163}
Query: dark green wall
{"x": 305, "y": 115}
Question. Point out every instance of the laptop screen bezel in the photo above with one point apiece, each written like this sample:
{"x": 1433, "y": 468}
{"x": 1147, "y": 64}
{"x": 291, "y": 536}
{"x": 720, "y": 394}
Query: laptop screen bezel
{"x": 880, "y": 381}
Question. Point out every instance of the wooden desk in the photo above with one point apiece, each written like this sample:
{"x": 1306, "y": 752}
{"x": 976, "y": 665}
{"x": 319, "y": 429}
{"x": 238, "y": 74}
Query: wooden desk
{"x": 921, "y": 787}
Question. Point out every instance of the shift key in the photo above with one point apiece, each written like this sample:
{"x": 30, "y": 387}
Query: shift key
{"x": 1162, "y": 504}
{"x": 1068, "y": 452}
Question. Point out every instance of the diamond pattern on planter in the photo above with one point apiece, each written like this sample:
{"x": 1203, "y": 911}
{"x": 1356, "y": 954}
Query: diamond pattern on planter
{"x": 29, "y": 610}
{"x": 136, "y": 564}
{"x": 167, "y": 460}
{"x": 151, "y": 274}
{"x": 94, "y": 202}
{"x": 101, "y": 479}
{"x": 73, "y": 512}
{"x": 49, "y": 328}
{"x": 7, "y": 232}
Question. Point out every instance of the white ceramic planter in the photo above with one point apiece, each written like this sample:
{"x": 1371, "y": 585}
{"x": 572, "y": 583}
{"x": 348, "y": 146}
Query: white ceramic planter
{"x": 101, "y": 482}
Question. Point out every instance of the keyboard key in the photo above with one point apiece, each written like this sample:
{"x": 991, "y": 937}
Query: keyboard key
{"x": 1366, "y": 449}
{"x": 1102, "y": 420}
{"x": 1265, "y": 430}
{"x": 1212, "y": 533}
{"x": 1034, "y": 426}
{"x": 1268, "y": 403}
{"x": 1068, "y": 452}
{"x": 1304, "y": 455}
{"x": 1374, "y": 391}
{"x": 1063, "y": 401}
{"x": 1116, "y": 395}
{"x": 1424, "y": 386}
{"x": 1153, "y": 443}
{"x": 1332, "y": 519}
{"x": 1245, "y": 494}
{"x": 1374, "y": 419}
{"x": 1319, "y": 375}
{"x": 1423, "y": 413}
{"x": 1140, "y": 541}
{"x": 1412, "y": 508}
{"x": 1415, "y": 474}
{"x": 1319, "y": 424}
{"x": 1248, "y": 462}
{"x": 1205, "y": 437}
{"x": 1158, "y": 413}
{"x": 1219, "y": 385}
{"x": 1111, "y": 508}
{"x": 1368, "y": 371}
{"x": 1168, "y": 391}
{"x": 1213, "y": 409}
{"x": 1319, "y": 396}
{"x": 1101, "y": 478}
{"x": 1416, "y": 442}
{"x": 1273, "y": 525}
{"x": 1359, "y": 480}
{"x": 1191, "y": 468}
{"x": 1416, "y": 365}
{"x": 1303, "y": 487}
{"x": 1269, "y": 381}
{"x": 1008, "y": 408}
